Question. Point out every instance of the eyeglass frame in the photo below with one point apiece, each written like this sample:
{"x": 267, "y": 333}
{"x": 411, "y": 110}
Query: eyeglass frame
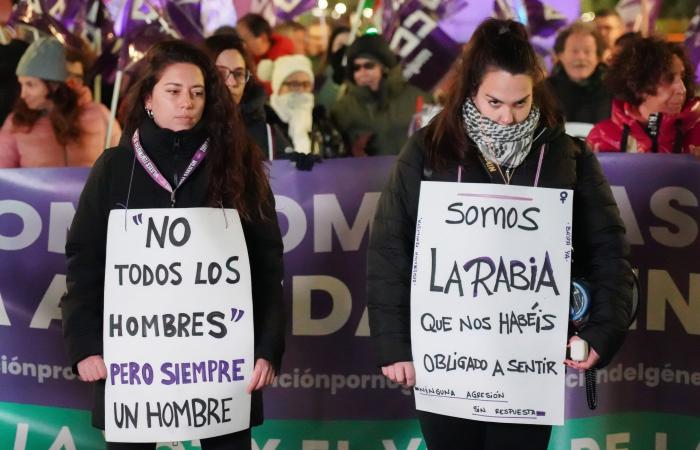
{"x": 230, "y": 72}
{"x": 300, "y": 85}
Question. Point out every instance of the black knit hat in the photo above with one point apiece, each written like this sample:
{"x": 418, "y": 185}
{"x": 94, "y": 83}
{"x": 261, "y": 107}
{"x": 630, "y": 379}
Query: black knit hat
{"x": 371, "y": 46}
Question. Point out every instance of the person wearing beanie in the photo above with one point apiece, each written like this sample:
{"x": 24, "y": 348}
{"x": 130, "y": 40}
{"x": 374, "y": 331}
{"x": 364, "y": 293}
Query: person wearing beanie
{"x": 292, "y": 107}
{"x": 49, "y": 126}
{"x": 376, "y": 109}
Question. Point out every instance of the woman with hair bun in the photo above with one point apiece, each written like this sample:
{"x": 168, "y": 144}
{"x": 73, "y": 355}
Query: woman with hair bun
{"x": 49, "y": 125}
{"x": 499, "y": 126}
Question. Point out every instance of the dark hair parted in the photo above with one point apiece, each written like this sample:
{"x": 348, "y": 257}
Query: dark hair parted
{"x": 237, "y": 175}
{"x": 216, "y": 44}
{"x": 64, "y": 116}
{"x": 495, "y": 45}
{"x": 642, "y": 65}
{"x": 256, "y": 24}
{"x": 580, "y": 28}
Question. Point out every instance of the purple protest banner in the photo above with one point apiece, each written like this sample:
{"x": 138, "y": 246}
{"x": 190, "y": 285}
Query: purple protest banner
{"x": 692, "y": 42}
{"x": 328, "y": 372}
{"x": 289, "y": 9}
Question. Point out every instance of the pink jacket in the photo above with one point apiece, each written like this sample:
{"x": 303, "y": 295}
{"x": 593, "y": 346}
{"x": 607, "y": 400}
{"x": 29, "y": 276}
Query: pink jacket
{"x": 38, "y": 147}
{"x": 677, "y": 131}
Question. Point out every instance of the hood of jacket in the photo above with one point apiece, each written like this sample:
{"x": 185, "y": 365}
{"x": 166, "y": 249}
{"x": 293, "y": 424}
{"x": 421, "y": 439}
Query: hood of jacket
{"x": 252, "y": 105}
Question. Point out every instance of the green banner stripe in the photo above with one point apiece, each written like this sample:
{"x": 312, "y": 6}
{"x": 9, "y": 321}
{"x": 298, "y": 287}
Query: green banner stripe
{"x": 39, "y": 428}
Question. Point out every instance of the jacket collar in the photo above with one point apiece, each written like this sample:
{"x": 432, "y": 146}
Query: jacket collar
{"x": 162, "y": 141}
{"x": 252, "y": 104}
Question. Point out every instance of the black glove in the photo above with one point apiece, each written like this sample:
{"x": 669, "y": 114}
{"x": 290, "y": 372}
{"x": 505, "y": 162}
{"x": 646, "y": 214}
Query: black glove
{"x": 304, "y": 161}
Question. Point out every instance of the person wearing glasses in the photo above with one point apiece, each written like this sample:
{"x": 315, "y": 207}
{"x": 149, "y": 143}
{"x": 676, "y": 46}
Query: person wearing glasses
{"x": 376, "y": 109}
{"x": 292, "y": 108}
{"x": 235, "y": 64}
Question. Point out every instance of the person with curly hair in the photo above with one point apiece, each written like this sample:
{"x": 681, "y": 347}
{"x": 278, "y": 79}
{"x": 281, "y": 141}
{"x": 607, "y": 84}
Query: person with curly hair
{"x": 50, "y": 124}
{"x": 178, "y": 113}
{"x": 654, "y": 110}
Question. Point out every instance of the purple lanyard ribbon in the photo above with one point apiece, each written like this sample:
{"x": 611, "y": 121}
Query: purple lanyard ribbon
{"x": 155, "y": 174}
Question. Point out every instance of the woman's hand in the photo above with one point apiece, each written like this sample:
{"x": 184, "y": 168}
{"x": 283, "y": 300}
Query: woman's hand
{"x": 589, "y": 363}
{"x": 263, "y": 375}
{"x": 92, "y": 368}
{"x": 401, "y": 372}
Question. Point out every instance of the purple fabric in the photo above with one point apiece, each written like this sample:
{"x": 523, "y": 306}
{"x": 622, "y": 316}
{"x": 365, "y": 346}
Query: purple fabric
{"x": 342, "y": 185}
{"x": 289, "y": 9}
{"x": 692, "y": 42}
{"x": 185, "y": 15}
{"x": 40, "y": 19}
{"x": 629, "y": 10}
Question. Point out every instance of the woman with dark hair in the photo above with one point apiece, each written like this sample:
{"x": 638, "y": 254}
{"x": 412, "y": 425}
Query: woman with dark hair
{"x": 179, "y": 105}
{"x": 655, "y": 110}
{"x": 49, "y": 125}
{"x": 498, "y": 112}
{"x": 235, "y": 64}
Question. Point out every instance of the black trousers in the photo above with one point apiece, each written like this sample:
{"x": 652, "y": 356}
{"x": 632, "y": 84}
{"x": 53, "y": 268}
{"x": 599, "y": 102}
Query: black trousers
{"x": 451, "y": 433}
{"x": 233, "y": 441}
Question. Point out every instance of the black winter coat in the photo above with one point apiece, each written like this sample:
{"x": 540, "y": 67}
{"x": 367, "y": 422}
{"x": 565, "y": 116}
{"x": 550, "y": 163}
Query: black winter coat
{"x": 588, "y": 102}
{"x": 598, "y": 239}
{"x": 252, "y": 108}
{"x": 109, "y": 186}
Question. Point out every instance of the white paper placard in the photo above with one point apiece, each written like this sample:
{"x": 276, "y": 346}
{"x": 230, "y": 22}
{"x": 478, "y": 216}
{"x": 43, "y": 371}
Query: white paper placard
{"x": 178, "y": 325}
{"x": 489, "y": 301}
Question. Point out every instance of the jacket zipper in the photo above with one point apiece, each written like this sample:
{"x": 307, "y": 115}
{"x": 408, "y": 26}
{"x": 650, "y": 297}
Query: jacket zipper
{"x": 176, "y": 148}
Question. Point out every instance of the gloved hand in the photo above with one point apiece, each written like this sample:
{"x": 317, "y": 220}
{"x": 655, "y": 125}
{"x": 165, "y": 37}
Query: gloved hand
{"x": 304, "y": 161}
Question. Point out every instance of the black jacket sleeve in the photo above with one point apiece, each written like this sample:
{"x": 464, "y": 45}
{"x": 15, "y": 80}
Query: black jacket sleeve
{"x": 390, "y": 255}
{"x": 264, "y": 242}
{"x": 601, "y": 255}
{"x": 82, "y": 304}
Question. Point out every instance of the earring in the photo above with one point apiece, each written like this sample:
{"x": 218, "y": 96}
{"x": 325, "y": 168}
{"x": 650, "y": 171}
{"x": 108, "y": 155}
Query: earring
{"x": 149, "y": 112}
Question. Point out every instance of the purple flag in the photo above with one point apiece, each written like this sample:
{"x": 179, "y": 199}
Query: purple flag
{"x": 631, "y": 13}
{"x": 71, "y": 13}
{"x": 185, "y": 15}
{"x": 35, "y": 14}
{"x": 425, "y": 49}
{"x": 280, "y": 10}
{"x": 692, "y": 42}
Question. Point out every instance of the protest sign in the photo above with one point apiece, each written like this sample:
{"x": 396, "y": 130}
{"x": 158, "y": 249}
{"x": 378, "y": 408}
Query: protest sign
{"x": 178, "y": 325}
{"x": 489, "y": 301}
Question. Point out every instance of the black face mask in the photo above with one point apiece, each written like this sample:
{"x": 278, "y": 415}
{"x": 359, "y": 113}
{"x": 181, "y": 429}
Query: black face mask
{"x": 336, "y": 61}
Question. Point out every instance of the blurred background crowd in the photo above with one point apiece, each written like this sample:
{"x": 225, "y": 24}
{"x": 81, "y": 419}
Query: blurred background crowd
{"x": 320, "y": 79}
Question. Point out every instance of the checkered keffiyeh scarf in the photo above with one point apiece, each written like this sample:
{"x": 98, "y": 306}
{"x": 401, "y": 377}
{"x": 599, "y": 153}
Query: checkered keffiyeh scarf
{"x": 505, "y": 145}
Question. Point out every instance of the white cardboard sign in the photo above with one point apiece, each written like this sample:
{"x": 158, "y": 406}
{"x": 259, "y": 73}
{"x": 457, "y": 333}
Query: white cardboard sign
{"x": 178, "y": 325}
{"x": 489, "y": 301}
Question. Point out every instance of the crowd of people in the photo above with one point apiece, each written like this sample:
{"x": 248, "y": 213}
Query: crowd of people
{"x": 252, "y": 92}
{"x": 311, "y": 92}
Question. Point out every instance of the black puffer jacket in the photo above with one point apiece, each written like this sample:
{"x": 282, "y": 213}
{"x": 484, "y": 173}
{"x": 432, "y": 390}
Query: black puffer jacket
{"x": 109, "y": 186}
{"x": 598, "y": 233}
{"x": 252, "y": 108}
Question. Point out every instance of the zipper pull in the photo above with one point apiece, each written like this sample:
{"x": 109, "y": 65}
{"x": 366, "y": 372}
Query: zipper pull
{"x": 172, "y": 199}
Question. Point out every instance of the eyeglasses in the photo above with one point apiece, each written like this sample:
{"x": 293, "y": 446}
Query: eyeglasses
{"x": 240, "y": 75}
{"x": 369, "y": 65}
{"x": 298, "y": 85}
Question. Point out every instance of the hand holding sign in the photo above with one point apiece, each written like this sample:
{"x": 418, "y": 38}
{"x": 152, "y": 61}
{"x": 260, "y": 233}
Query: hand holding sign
{"x": 263, "y": 375}
{"x": 92, "y": 368}
{"x": 401, "y": 372}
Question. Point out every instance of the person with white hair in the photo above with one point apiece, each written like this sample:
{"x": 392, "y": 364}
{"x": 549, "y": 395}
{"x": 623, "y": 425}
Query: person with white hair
{"x": 292, "y": 108}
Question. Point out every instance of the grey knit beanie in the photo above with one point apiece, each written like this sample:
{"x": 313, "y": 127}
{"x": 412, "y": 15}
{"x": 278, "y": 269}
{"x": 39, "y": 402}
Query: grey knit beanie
{"x": 45, "y": 59}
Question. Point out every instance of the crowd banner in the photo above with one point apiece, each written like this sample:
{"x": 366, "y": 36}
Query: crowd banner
{"x": 329, "y": 393}
{"x": 489, "y": 301}
{"x": 178, "y": 324}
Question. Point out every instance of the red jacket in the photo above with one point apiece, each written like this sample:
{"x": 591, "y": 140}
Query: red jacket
{"x": 678, "y": 132}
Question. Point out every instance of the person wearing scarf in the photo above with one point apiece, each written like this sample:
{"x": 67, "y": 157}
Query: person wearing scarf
{"x": 499, "y": 125}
